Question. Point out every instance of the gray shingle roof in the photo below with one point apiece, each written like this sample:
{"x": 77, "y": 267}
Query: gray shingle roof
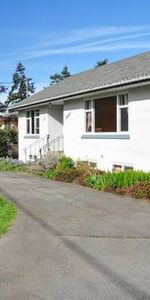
{"x": 124, "y": 71}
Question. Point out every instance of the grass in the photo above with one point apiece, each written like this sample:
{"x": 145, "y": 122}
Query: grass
{"x": 7, "y": 215}
{"x": 114, "y": 181}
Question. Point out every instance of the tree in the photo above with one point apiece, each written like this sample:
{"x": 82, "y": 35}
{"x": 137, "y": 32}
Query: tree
{"x": 101, "y": 63}
{"x": 65, "y": 73}
{"x": 3, "y": 107}
{"x": 2, "y": 89}
{"x": 60, "y": 76}
{"x": 22, "y": 86}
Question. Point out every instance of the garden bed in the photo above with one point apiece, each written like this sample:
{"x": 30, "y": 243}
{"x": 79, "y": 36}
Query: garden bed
{"x": 130, "y": 183}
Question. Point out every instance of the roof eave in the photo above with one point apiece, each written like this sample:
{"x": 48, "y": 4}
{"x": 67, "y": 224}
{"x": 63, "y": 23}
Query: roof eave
{"x": 113, "y": 87}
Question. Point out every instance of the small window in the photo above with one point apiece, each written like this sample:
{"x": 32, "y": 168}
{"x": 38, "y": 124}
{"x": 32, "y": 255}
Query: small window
{"x": 88, "y": 105}
{"x": 33, "y": 122}
{"x": 128, "y": 168}
{"x": 117, "y": 168}
{"x": 123, "y": 113}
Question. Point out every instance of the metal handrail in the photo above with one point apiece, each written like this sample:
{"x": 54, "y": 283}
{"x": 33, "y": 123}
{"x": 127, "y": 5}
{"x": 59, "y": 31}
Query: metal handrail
{"x": 56, "y": 144}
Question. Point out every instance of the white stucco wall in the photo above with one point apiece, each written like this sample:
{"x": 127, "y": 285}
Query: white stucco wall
{"x": 134, "y": 151}
{"x": 51, "y": 119}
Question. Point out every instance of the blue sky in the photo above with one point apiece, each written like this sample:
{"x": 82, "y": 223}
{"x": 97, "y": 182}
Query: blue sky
{"x": 46, "y": 35}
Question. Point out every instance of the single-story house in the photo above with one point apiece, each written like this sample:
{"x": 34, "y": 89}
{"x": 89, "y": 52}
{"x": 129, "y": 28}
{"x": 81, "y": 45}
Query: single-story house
{"x": 101, "y": 115}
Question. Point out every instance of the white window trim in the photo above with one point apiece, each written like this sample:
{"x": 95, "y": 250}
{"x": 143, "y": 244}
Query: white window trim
{"x": 119, "y": 113}
{"x": 118, "y": 118}
{"x": 30, "y": 122}
{"x": 92, "y": 110}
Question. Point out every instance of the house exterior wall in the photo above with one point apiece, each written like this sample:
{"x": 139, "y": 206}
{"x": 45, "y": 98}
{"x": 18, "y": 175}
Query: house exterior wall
{"x": 108, "y": 150}
{"x": 51, "y": 119}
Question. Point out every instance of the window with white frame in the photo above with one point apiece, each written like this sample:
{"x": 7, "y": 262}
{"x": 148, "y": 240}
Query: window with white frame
{"x": 33, "y": 122}
{"x": 123, "y": 112}
{"x": 88, "y": 109}
{"x": 109, "y": 114}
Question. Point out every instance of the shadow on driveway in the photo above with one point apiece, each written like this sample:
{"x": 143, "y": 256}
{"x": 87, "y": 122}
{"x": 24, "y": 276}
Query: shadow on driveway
{"x": 99, "y": 266}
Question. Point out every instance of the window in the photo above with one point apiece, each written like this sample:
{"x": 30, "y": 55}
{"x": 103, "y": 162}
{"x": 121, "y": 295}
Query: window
{"x": 119, "y": 168}
{"x": 33, "y": 122}
{"x": 123, "y": 113}
{"x": 88, "y": 108}
{"x": 107, "y": 114}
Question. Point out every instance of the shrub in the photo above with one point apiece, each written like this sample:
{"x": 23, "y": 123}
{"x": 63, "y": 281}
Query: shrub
{"x": 64, "y": 163}
{"x": 138, "y": 190}
{"x": 50, "y": 174}
{"x": 6, "y": 136}
{"x": 67, "y": 175}
{"x": 116, "y": 180}
{"x": 7, "y": 165}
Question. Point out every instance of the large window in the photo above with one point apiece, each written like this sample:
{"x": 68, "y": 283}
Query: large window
{"x": 107, "y": 114}
{"x": 33, "y": 122}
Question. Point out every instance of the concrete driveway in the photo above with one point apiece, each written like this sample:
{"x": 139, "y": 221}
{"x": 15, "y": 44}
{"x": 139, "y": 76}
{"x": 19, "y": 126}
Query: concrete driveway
{"x": 69, "y": 242}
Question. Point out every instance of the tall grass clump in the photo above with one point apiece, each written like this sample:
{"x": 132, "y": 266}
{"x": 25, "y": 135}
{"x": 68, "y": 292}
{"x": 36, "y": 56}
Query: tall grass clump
{"x": 113, "y": 180}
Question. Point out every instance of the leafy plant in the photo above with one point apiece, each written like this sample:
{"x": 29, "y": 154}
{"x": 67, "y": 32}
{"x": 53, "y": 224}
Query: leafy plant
{"x": 116, "y": 180}
{"x": 64, "y": 163}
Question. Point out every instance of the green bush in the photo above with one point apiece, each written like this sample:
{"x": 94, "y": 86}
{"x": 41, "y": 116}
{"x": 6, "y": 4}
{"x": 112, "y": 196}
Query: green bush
{"x": 6, "y": 136}
{"x": 116, "y": 180}
{"x": 64, "y": 163}
{"x": 7, "y": 165}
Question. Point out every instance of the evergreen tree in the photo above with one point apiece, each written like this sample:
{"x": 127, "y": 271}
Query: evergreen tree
{"x": 65, "y": 72}
{"x": 55, "y": 78}
{"x": 101, "y": 63}
{"x": 2, "y": 89}
{"x": 22, "y": 86}
{"x": 60, "y": 76}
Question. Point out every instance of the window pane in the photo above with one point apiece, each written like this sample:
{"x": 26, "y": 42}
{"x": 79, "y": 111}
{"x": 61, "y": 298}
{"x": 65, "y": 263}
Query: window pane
{"x": 37, "y": 113}
{"x": 27, "y": 114}
{"x": 124, "y": 119}
{"x": 105, "y": 115}
{"x": 88, "y": 121}
{"x": 123, "y": 100}
{"x": 88, "y": 105}
{"x": 32, "y": 121}
{"x": 37, "y": 125}
{"x": 28, "y": 126}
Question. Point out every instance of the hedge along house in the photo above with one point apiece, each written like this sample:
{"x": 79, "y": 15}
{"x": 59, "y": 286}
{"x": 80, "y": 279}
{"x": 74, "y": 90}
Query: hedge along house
{"x": 101, "y": 116}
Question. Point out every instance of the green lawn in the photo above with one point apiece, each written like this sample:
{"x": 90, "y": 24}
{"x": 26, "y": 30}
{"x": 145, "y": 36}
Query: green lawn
{"x": 7, "y": 214}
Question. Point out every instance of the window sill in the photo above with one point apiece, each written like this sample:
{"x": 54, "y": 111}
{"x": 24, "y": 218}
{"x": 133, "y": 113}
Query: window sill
{"x": 106, "y": 135}
{"x": 31, "y": 136}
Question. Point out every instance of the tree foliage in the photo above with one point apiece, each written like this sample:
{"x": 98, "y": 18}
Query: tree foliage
{"x": 6, "y": 136}
{"x": 3, "y": 107}
{"x": 101, "y": 63}
{"x": 22, "y": 86}
{"x": 56, "y": 77}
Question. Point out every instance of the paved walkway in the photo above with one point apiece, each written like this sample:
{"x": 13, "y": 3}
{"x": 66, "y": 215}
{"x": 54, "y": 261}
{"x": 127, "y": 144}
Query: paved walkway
{"x": 71, "y": 243}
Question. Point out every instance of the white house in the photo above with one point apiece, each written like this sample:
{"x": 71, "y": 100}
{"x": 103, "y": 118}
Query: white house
{"x": 101, "y": 115}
